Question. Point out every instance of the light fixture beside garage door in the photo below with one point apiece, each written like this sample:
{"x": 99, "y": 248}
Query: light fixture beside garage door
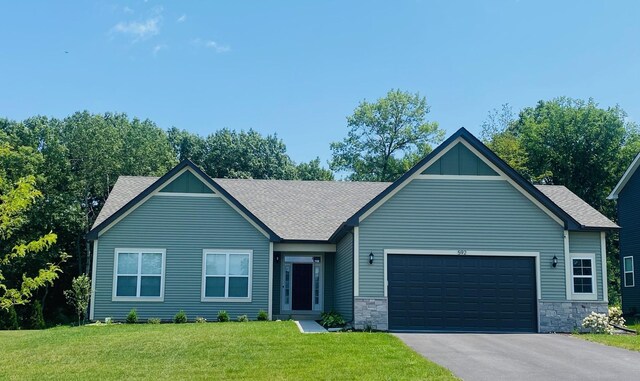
{"x": 371, "y": 258}
{"x": 554, "y": 262}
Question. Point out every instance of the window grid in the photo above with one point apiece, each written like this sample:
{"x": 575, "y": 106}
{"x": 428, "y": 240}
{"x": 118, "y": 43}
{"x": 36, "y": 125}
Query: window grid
{"x": 582, "y": 269}
{"x": 629, "y": 274}
{"x": 227, "y": 276}
{"x": 139, "y": 275}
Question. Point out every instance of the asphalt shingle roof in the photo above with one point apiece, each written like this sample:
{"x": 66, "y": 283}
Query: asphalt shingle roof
{"x": 582, "y": 212}
{"x": 302, "y": 210}
{"x": 125, "y": 189}
{"x": 313, "y": 210}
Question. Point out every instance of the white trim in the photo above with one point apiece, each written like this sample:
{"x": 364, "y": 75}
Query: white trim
{"x": 270, "y": 293}
{"x": 502, "y": 176}
{"x": 594, "y": 278}
{"x": 408, "y": 180}
{"x": 356, "y": 261}
{"x": 625, "y": 272}
{"x": 315, "y": 308}
{"x": 460, "y": 177}
{"x": 625, "y": 178}
{"x": 567, "y": 266}
{"x": 304, "y": 247}
{"x": 162, "y": 186}
{"x": 482, "y": 253}
{"x": 603, "y": 258}
{"x": 514, "y": 184}
{"x": 94, "y": 267}
{"x": 226, "y": 298}
{"x": 181, "y": 194}
{"x": 139, "y": 251}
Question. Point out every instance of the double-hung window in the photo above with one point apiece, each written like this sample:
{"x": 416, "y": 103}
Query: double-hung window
{"x": 629, "y": 279}
{"x": 139, "y": 274}
{"x": 226, "y": 275}
{"x": 583, "y": 284}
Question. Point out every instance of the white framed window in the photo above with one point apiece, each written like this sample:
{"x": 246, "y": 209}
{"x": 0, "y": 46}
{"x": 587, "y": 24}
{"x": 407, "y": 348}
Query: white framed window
{"x": 226, "y": 275}
{"x": 629, "y": 274}
{"x": 139, "y": 274}
{"x": 583, "y": 276}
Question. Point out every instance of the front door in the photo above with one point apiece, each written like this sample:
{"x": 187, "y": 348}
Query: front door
{"x": 302, "y": 283}
{"x": 302, "y": 286}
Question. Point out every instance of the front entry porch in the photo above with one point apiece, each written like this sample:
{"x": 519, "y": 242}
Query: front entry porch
{"x": 301, "y": 289}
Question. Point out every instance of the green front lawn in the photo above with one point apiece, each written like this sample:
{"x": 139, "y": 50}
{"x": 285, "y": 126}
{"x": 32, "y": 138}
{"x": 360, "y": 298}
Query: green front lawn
{"x": 256, "y": 350}
{"x": 631, "y": 342}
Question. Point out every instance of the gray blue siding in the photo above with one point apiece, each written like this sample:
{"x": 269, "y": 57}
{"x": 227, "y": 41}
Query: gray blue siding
{"x": 186, "y": 183}
{"x": 629, "y": 220}
{"x": 184, "y": 226}
{"x": 459, "y": 160}
{"x": 588, "y": 243}
{"x": 343, "y": 292}
{"x": 487, "y": 215}
{"x": 277, "y": 285}
{"x": 329, "y": 280}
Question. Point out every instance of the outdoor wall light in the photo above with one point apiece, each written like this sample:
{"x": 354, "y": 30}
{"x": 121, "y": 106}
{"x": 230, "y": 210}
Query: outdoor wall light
{"x": 555, "y": 261}
{"x": 371, "y": 258}
{"x": 277, "y": 257}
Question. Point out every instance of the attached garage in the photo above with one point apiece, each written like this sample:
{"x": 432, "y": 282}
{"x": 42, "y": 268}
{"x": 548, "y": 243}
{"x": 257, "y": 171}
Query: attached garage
{"x": 465, "y": 293}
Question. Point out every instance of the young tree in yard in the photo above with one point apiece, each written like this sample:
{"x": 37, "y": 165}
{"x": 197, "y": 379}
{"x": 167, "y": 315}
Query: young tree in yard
{"x": 79, "y": 296}
{"x": 386, "y": 137}
{"x": 16, "y": 198}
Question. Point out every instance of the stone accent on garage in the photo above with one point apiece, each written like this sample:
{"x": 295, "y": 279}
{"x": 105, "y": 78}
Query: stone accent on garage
{"x": 566, "y": 316}
{"x": 371, "y": 312}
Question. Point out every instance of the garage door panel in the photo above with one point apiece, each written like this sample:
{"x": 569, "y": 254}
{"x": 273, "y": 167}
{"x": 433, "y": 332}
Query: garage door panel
{"x": 461, "y": 293}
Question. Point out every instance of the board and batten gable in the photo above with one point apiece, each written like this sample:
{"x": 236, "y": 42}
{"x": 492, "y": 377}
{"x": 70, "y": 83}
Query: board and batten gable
{"x": 472, "y": 215}
{"x": 629, "y": 220}
{"x": 184, "y": 227}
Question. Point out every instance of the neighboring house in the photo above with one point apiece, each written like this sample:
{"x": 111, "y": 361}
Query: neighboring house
{"x": 461, "y": 242}
{"x": 627, "y": 194}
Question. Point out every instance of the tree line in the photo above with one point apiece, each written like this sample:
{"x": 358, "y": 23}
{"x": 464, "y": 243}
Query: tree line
{"x": 56, "y": 174}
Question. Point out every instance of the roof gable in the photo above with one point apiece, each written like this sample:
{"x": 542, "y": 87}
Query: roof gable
{"x": 625, "y": 178}
{"x": 459, "y": 160}
{"x": 168, "y": 178}
{"x": 490, "y": 158}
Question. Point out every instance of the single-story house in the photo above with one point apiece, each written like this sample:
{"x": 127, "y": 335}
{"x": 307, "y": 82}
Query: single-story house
{"x": 627, "y": 194}
{"x": 461, "y": 242}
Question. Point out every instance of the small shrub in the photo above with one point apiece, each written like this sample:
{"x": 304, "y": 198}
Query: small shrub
{"x": 132, "y": 317}
{"x": 9, "y": 319}
{"x": 597, "y": 323}
{"x": 242, "y": 318}
{"x": 108, "y": 320}
{"x": 223, "y": 316}
{"x": 615, "y": 316}
{"x": 263, "y": 315}
{"x": 36, "y": 320}
{"x": 153, "y": 321}
{"x": 200, "y": 319}
{"x": 180, "y": 318}
{"x": 332, "y": 319}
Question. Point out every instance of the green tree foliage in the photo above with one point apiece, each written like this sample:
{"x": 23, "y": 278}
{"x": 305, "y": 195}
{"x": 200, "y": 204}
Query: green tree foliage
{"x": 569, "y": 142}
{"x": 36, "y": 318}
{"x": 18, "y": 193}
{"x": 244, "y": 154}
{"x": 79, "y": 296}
{"x": 9, "y": 319}
{"x": 386, "y": 137}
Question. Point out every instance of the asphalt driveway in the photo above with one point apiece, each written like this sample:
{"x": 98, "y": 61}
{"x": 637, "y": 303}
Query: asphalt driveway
{"x": 525, "y": 356}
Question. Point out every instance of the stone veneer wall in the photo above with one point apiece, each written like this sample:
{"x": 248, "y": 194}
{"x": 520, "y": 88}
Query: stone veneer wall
{"x": 566, "y": 316}
{"x": 373, "y": 312}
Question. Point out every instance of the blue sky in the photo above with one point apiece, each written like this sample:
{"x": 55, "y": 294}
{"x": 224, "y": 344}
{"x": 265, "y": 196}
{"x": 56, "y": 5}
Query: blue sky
{"x": 299, "y": 68}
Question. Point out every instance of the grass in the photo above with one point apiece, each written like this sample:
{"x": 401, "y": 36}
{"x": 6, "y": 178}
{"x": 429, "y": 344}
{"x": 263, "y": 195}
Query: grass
{"x": 255, "y": 350}
{"x": 631, "y": 342}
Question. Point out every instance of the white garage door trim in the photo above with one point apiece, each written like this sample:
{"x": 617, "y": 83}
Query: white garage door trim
{"x": 533, "y": 254}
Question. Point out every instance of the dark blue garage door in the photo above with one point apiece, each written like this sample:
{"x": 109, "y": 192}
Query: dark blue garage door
{"x": 461, "y": 293}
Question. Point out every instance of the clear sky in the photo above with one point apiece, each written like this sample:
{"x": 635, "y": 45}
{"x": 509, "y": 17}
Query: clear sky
{"x": 298, "y": 68}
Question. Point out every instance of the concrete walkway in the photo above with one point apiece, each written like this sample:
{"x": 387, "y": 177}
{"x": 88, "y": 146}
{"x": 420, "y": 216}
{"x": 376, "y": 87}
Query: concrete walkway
{"x": 310, "y": 326}
{"x": 525, "y": 357}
